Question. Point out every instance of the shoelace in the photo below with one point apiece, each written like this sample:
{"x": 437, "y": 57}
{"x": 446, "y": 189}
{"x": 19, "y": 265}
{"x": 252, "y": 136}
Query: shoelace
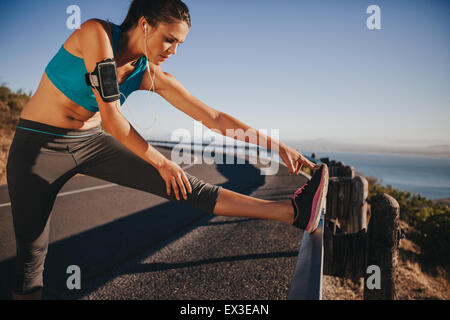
{"x": 296, "y": 193}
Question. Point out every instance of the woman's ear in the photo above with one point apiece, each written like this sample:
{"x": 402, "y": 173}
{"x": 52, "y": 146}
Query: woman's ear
{"x": 144, "y": 21}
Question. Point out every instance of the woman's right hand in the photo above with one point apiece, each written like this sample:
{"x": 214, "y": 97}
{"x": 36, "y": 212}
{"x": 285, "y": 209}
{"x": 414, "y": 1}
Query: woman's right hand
{"x": 175, "y": 178}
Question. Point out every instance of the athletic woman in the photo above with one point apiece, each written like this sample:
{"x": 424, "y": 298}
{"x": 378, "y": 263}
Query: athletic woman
{"x": 59, "y": 134}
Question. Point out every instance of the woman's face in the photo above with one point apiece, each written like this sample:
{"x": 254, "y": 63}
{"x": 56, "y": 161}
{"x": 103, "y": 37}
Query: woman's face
{"x": 163, "y": 40}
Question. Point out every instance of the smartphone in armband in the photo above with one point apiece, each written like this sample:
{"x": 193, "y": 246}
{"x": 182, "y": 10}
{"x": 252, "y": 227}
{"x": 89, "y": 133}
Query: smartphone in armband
{"x": 104, "y": 79}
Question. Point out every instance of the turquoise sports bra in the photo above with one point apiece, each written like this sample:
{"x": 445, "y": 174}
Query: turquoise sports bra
{"x": 67, "y": 71}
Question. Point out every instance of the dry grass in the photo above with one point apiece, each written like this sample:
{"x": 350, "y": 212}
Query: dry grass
{"x": 5, "y": 143}
{"x": 415, "y": 280}
{"x": 11, "y": 105}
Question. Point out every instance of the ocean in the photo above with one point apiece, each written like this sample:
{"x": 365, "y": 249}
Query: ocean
{"x": 417, "y": 174}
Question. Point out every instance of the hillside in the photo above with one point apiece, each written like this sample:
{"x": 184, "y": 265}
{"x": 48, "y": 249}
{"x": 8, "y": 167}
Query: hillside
{"x": 11, "y": 104}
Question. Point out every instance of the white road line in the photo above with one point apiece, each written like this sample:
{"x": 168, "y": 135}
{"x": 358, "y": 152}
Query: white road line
{"x": 87, "y": 189}
{"x": 90, "y": 188}
{"x": 72, "y": 192}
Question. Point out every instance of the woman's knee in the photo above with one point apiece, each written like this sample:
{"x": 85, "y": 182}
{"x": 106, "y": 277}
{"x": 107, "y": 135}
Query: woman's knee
{"x": 204, "y": 195}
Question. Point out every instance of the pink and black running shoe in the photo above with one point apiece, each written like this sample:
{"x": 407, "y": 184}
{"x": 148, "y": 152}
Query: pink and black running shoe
{"x": 309, "y": 200}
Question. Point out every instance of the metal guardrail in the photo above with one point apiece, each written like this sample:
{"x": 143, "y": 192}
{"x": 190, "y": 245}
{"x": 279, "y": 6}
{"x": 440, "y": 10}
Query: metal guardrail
{"x": 221, "y": 148}
{"x": 307, "y": 280}
{"x": 171, "y": 143}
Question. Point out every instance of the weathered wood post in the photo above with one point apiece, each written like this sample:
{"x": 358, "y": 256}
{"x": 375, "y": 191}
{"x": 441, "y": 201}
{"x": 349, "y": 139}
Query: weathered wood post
{"x": 356, "y": 246}
{"x": 382, "y": 247}
{"x": 345, "y": 223}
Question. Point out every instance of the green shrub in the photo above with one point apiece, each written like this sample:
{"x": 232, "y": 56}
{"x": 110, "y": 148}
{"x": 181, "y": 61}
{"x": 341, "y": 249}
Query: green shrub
{"x": 11, "y": 104}
{"x": 430, "y": 220}
{"x": 434, "y": 227}
{"x": 5, "y": 92}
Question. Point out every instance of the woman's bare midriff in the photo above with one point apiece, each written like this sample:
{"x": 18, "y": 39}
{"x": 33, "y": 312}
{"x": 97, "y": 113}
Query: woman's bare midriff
{"x": 50, "y": 106}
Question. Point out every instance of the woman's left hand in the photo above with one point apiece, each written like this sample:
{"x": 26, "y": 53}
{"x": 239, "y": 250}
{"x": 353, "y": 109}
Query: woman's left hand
{"x": 295, "y": 160}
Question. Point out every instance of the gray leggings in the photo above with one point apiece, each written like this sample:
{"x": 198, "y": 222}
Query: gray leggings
{"x": 42, "y": 158}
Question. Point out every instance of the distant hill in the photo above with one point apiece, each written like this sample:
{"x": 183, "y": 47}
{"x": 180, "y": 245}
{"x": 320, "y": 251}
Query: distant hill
{"x": 431, "y": 150}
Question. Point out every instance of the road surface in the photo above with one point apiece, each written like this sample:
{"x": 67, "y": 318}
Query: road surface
{"x": 130, "y": 244}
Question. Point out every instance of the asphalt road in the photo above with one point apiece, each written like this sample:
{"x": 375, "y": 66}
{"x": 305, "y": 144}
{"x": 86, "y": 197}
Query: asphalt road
{"x": 131, "y": 244}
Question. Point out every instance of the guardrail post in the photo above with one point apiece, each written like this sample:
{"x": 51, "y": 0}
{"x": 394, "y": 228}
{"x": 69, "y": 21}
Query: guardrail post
{"x": 382, "y": 247}
{"x": 345, "y": 223}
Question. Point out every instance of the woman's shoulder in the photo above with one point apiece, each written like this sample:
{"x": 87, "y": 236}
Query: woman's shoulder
{"x": 89, "y": 29}
{"x": 96, "y": 33}
{"x": 95, "y": 25}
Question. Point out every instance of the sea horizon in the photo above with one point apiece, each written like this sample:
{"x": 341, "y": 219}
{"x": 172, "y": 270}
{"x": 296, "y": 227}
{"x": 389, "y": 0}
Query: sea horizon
{"x": 426, "y": 175}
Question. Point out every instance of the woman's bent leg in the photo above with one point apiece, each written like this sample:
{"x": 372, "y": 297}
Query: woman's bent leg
{"x": 109, "y": 160}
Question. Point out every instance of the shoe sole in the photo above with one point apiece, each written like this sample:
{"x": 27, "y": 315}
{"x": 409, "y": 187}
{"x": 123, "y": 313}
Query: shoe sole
{"x": 319, "y": 201}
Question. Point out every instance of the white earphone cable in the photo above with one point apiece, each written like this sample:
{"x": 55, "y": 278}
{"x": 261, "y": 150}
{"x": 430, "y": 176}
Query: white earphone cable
{"x": 148, "y": 91}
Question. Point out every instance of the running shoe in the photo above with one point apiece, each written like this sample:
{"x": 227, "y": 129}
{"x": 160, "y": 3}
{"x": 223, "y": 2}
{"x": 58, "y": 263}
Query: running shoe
{"x": 309, "y": 200}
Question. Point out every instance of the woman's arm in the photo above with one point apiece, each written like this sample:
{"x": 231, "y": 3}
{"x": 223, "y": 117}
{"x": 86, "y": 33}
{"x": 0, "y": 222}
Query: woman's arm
{"x": 173, "y": 91}
{"x": 96, "y": 46}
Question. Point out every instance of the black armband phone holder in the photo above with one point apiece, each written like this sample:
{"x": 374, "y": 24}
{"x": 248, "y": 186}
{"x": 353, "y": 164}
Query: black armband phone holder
{"x": 104, "y": 79}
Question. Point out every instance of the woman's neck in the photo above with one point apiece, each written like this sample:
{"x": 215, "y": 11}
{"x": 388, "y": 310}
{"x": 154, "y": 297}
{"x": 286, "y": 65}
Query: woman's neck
{"x": 128, "y": 48}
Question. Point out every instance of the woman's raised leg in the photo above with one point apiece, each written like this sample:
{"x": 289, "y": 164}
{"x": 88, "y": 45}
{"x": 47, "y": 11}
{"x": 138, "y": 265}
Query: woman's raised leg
{"x": 234, "y": 204}
{"x": 111, "y": 161}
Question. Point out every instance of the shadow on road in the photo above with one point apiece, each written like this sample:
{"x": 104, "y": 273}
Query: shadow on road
{"x": 158, "y": 266}
{"x": 101, "y": 249}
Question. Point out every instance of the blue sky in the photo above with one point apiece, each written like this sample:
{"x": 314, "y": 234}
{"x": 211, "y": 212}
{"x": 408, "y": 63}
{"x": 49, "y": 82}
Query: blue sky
{"x": 311, "y": 69}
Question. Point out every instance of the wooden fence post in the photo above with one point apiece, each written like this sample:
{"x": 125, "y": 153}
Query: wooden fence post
{"x": 345, "y": 223}
{"x": 358, "y": 207}
{"x": 382, "y": 247}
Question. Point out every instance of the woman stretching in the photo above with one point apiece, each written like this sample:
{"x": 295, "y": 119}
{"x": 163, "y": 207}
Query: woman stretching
{"x": 59, "y": 134}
